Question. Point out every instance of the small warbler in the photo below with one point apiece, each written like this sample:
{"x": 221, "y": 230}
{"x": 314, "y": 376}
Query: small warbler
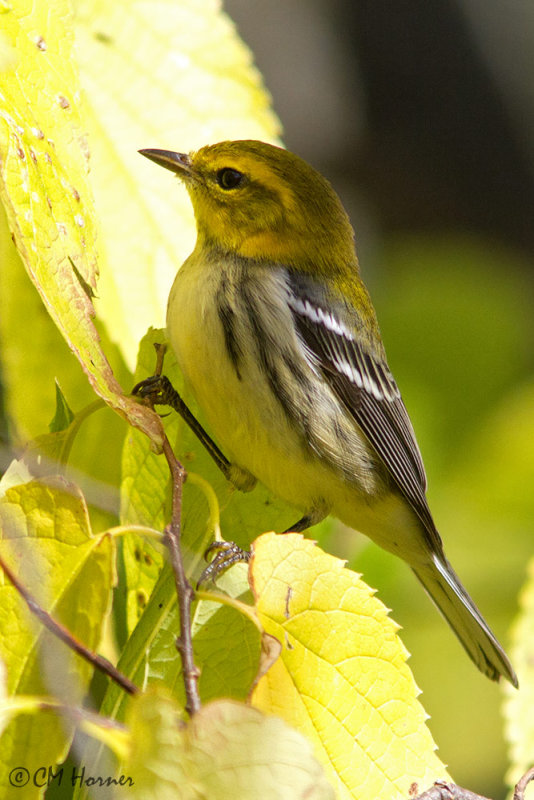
{"x": 275, "y": 332}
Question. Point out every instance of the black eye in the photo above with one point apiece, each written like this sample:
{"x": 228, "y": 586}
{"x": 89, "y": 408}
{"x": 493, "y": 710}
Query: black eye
{"x": 229, "y": 178}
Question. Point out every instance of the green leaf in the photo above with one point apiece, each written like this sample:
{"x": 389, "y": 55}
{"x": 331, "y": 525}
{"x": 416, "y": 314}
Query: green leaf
{"x": 227, "y": 750}
{"x": 49, "y": 453}
{"x": 225, "y": 642}
{"x": 63, "y": 416}
{"x": 31, "y": 356}
{"x": 47, "y": 542}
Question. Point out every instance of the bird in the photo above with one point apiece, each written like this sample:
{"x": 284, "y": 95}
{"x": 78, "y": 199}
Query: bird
{"x": 277, "y": 337}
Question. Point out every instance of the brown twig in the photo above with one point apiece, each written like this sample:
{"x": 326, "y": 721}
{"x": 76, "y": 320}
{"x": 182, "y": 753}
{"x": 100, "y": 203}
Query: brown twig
{"x": 442, "y": 790}
{"x": 184, "y": 590}
{"x": 59, "y": 630}
{"x": 160, "y": 349}
{"x": 522, "y": 784}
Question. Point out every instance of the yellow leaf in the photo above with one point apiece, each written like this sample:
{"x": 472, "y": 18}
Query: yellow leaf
{"x": 171, "y": 74}
{"x": 47, "y": 542}
{"x": 44, "y": 182}
{"x": 342, "y": 678}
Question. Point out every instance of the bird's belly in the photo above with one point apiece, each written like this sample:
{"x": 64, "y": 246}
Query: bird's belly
{"x": 243, "y": 415}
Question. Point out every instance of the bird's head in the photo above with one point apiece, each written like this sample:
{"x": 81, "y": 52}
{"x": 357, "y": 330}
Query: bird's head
{"x": 263, "y": 202}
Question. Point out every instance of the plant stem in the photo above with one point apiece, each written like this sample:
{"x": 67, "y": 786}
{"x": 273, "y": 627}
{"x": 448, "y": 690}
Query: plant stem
{"x": 59, "y": 630}
{"x": 184, "y": 590}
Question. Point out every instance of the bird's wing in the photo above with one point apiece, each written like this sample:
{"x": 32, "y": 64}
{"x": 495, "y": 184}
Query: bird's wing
{"x": 365, "y": 386}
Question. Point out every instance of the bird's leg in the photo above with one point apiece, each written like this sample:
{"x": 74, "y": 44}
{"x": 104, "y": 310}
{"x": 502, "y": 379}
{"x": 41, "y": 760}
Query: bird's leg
{"x": 303, "y": 523}
{"x": 158, "y": 390}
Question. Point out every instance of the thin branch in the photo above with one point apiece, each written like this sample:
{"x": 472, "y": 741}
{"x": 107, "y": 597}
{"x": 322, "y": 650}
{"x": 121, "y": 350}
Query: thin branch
{"x": 442, "y": 790}
{"x": 522, "y": 784}
{"x": 184, "y": 590}
{"x": 59, "y": 630}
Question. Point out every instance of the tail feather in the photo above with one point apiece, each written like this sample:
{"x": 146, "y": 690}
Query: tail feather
{"x": 445, "y": 589}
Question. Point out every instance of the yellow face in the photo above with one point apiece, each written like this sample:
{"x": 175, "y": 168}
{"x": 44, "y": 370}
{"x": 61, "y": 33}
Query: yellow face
{"x": 263, "y": 202}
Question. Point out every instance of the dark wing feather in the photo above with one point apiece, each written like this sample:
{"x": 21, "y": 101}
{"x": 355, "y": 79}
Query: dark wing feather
{"x": 365, "y": 386}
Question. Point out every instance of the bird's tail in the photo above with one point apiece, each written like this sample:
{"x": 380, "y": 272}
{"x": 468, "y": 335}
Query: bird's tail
{"x": 445, "y": 589}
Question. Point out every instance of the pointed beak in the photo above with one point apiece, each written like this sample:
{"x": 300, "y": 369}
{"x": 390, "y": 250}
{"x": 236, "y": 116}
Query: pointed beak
{"x": 180, "y": 163}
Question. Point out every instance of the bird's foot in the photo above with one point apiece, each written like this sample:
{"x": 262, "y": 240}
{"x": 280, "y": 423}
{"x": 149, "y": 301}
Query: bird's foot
{"x": 226, "y": 555}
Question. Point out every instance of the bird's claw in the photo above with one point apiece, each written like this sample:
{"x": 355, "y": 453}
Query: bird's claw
{"x": 226, "y": 555}
{"x": 153, "y": 389}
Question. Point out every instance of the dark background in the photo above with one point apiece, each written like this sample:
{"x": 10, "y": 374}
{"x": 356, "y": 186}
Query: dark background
{"x": 428, "y": 106}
